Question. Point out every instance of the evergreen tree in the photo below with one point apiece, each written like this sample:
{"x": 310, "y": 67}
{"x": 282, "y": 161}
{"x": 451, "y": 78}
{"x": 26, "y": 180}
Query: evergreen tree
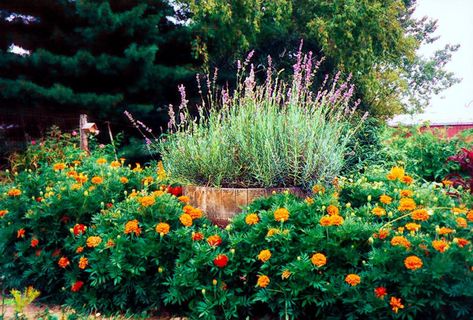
{"x": 95, "y": 56}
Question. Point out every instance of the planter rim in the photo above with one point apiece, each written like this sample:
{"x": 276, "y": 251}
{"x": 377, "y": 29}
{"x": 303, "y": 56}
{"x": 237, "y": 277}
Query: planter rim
{"x": 229, "y": 188}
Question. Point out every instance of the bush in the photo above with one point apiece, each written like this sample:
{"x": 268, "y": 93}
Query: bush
{"x": 272, "y": 135}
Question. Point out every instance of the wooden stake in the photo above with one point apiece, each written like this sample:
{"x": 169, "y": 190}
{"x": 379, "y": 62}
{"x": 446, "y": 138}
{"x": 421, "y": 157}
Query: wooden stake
{"x": 84, "y": 144}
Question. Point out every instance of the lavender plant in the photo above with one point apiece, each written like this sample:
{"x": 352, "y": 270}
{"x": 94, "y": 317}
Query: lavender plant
{"x": 274, "y": 134}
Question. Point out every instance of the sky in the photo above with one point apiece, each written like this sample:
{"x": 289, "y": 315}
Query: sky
{"x": 455, "y": 26}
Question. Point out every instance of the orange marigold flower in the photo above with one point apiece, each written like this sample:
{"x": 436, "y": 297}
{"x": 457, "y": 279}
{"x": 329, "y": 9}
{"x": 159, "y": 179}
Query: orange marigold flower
{"x": 318, "y": 260}
{"x": 251, "y": 219}
{"x": 447, "y": 183}
{"x": 461, "y": 242}
{"x": 101, "y": 161}
{"x": 146, "y": 201}
{"x": 115, "y": 164}
{"x": 285, "y": 274}
{"x": 396, "y": 304}
{"x": 325, "y": 221}
{"x": 79, "y": 249}
{"x": 406, "y": 193}
{"x": 123, "y": 180}
{"x": 147, "y": 180}
{"x": 96, "y": 180}
{"x": 20, "y": 233}
{"x": 81, "y": 178}
{"x": 420, "y": 215}
{"x": 263, "y": 281}
{"x": 281, "y": 214}
{"x": 14, "y": 192}
{"x": 272, "y": 232}
{"x": 34, "y": 242}
{"x": 380, "y": 292}
{"x": 197, "y": 236}
{"x": 63, "y": 262}
{"x": 411, "y": 226}
{"x": 77, "y": 286}
{"x": 383, "y": 233}
{"x": 59, "y": 166}
{"x": 407, "y": 179}
{"x": 132, "y": 227}
{"x": 444, "y": 230}
{"x": 110, "y": 243}
{"x": 83, "y": 263}
{"x": 214, "y": 240}
{"x": 186, "y": 219}
{"x": 3, "y": 213}
{"x": 93, "y": 241}
{"x": 378, "y": 211}
{"x": 385, "y": 199}
{"x": 469, "y": 215}
{"x": 184, "y": 199}
{"x": 406, "y": 204}
{"x": 332, "y": 210}
{"x": 400, "y": 241}
{"x": 318, "y": 188}
{"x": 336, "y": 220}
{"x": 264, "y": 255}
{"x": 391, "y": 177}
{"x": 196, "y": 213}
{"x": 72, "y": 174}
{"x": 461, "y": 222}
{"x": 413, "y": 263}
{"x": 457, "y": 210}
{"x": 309, "y": 201}
{"x": 353, "y": 279}
{"x": 163, "y": 228}
{"x": 440, "y": 245}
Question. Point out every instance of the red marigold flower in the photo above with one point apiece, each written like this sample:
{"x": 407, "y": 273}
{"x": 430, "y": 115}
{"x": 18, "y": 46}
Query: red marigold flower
{"x": 20, "y": 233}
{"x": 197, "y": 236}
{"x": 461, "y": 242}
{"x": 77, "y": 286}
{"x": 3, "y": 212}
{"x": 380, "y": 292}
{"x": 396, "y": 304}
{"x": 34, "y": 242}
{"x": 214, "y": 240}
{"x": 56, "y": 253}
{"x": 63, "y": 262}
{"x": 221, "y": 260}
{"x": 79, "y": 229}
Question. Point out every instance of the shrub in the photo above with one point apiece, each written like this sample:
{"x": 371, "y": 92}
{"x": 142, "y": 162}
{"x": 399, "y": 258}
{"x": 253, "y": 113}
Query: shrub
{"x": 271, "y": 135}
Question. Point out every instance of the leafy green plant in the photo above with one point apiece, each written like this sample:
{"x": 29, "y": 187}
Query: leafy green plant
{"x": 271, "y": 135}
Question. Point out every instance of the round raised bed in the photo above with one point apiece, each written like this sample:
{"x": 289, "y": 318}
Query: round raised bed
{"x": 221, "y": 204}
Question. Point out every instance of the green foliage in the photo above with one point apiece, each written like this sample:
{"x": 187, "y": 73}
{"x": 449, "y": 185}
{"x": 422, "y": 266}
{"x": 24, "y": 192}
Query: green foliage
{"x": 269, "y": 135}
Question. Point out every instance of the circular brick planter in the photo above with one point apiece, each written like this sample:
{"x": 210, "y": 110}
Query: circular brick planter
{"x": 221, "y": 204}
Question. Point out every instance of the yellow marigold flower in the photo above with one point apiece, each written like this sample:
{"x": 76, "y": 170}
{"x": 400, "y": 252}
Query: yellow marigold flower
{"x": 184, "y": 199}
{"x": 440, "y": 245}
{"x": 123, "y": 180}
{"x": 146, "y": 201}
{"x": 447, "y": 183}
{"x": 186, "y": 219}
{"x": 406, "y": 193}
{"x": 76, "y": 162}
{"x": 101, "y": 161}
{"x": 411, "y": 226}
{"x": 413, "y": 263}
{"x": 332, "y": 210}
{"x": 336, "y": 220}
{"x": 400, "y": 241}
{"x": 406, "y": 204}
{"x": 272, "y": 232}
{"x": 161, "y": 171}
{"x": 59, "y": 166}
{"x": 353, "y": 279}
{"x": 457, "y": 210}
{"x": 461, "y": 222}
{"x": 3, "y": 213}
{"x": 385, "y": 199}
{"x": 318, "y": 188}
{"x": 96, "y": 180}
{"x": 147, "y": 180}
{"x": 137, "y": 168}
{"x": 444, "y": 230}
{"x": 93, "y": 241}
{"x": 318, "y": 260}
{"x": 132, "y": 227}
{"x": 281, "y": 214}
{"x": 115, "y": 164}
{"x": 469, "y": 216}
{"x": 163, "y": 228}
{"x": 251, "y": 219}
{"x": 396, "y": 304}
{"x": 263, "y": 281}
{"x": 83, "y": 263}
{"x": 325, "y": 221}
{"x": 309, "y": 201}
{"x": 14, "y": 192}
{"x": 378, "y": 211}
{"x": 157, "y": 193}
{"x": 397, "y": 172}
{"x": 407, "y": 179}
{"x": 420, "y": 214}
{"x": 285, "y": 274}
{"x": 264, "y": 255}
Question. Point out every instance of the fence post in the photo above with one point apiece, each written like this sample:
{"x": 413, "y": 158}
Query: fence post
{"x": 84, "y": 144}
